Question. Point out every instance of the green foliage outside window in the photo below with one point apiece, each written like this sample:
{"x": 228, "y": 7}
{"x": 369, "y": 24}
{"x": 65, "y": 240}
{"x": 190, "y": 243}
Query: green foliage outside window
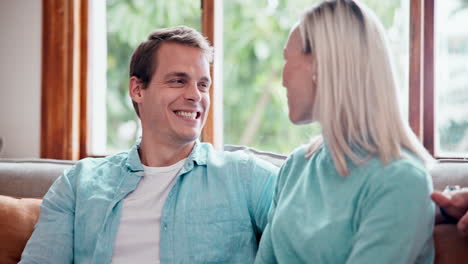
{"x": 129, "y": 22}
{"x": 255, "y": 104}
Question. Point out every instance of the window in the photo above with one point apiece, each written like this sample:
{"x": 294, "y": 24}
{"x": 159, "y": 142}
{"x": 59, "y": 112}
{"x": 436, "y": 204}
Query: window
{"x": 395, "y": 17}
{"x": 451, "y": 79}
{"x": 126, "y": 24}
{"x": 255, "y": 104}
{"x": 430, "y": 57}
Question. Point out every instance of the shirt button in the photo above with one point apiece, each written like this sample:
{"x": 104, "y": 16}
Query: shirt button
{"x": 165, "y": 227}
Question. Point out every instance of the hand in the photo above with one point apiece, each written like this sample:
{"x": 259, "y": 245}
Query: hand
{"x": 455, "y": 203}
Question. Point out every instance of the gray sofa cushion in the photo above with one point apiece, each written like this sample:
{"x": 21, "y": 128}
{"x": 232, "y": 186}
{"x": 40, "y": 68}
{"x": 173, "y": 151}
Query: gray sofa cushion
{"x": 29, "y": 178}
{"x": 32, "y": 177}
{"x": 450, "y": 172}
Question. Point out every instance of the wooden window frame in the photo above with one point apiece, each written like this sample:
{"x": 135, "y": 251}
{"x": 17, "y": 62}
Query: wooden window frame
{"x": 64, "y": 75}
{"x": 422, "y": 90}
{"x": 64, "y": 78}
{"x": 421, "y": 75}
{"x": 212, "y": 28}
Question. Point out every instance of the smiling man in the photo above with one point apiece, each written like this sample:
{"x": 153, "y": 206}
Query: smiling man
{"x": 169, "y": 199}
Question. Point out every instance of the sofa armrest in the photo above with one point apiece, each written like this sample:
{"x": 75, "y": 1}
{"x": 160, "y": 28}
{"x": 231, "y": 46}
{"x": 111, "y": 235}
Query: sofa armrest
{"x": 451, "y": 247}
{"x": 17, "y": 220}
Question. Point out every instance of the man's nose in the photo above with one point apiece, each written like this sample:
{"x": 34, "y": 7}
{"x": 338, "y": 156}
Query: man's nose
{"x": 192, "y": 92}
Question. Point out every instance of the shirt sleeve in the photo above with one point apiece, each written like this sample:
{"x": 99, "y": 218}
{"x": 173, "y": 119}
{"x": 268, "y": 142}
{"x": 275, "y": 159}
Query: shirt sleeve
{"x": 52, "y": 239}
{"x": 396, "y": 218}
{"x": 265, "y": 252}
{"x": 261, "y": 191}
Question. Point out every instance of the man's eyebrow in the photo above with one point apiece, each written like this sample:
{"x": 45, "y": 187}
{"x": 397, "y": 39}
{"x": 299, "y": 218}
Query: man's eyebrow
{"x": 185, "y": 75}
{"x": 177, "y": 74}
{"x": 205, "y": 79}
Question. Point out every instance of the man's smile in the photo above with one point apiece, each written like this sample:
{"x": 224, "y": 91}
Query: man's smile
{"x": 191, "y": 115}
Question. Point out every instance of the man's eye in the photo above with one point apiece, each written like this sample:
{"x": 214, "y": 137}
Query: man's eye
{"x": 205, "y": 86}
{"x": 177, "y": 82}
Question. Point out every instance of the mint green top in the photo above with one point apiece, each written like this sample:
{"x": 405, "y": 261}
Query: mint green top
{"x": 377, "y": 214}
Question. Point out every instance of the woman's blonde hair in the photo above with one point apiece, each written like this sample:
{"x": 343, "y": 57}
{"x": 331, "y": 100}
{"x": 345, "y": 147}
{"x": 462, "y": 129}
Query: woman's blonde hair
{"x": 356, "y": 100}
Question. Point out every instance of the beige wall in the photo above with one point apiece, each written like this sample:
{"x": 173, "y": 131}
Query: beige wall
{"x": 20, "y": 77}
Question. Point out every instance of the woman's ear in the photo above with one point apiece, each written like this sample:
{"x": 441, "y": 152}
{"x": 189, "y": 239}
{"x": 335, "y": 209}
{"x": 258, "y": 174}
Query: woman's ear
{"x": 135, "y": 87}
{"x": 313, "y": 68}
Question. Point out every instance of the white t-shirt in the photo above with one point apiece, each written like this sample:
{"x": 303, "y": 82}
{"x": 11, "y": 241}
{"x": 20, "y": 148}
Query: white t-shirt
{"x": 138, "y": 235}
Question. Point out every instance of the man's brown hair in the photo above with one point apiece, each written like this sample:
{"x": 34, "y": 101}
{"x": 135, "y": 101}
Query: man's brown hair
{"x": 144, "y": 61}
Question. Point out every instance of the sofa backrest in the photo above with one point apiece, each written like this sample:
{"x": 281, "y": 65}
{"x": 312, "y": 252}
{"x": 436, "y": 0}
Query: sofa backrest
{"x": 29, "y": 178}
{"x": 32, "y": 178}
{"x": 449, "y": 172}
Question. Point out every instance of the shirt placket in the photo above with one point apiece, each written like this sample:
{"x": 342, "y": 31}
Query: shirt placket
{"x": 107, "y": 236}
{"x": 168, "y": 252}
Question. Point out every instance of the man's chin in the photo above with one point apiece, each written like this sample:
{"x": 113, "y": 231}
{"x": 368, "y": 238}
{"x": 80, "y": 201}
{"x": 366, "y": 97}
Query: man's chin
{"x": 189, "y": 137}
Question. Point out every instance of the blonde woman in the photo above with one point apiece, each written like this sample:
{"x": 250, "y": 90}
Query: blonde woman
{"x": 360, "y": 193}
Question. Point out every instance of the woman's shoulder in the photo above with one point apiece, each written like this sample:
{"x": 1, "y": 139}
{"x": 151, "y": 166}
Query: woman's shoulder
{"x": 406, "y": 171}
{"x": 299, "y": 152}
{"x": 302, "y": 155}
{"x": 299, "y": 160}
{"x": 295, "y": 162}
{"x": 407, "y": 164}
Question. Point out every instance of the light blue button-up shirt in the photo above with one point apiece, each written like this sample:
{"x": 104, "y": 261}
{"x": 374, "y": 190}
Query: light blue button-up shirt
{"x": 215, "y": 212}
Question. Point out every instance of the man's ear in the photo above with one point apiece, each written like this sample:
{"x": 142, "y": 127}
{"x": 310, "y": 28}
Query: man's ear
{"x": 135, "y": 87}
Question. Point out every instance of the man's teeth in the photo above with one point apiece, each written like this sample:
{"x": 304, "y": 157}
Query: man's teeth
{"x": 191, "y": 115}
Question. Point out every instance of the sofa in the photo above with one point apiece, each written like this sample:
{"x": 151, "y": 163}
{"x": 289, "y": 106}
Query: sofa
{"x": 24, "y": 181}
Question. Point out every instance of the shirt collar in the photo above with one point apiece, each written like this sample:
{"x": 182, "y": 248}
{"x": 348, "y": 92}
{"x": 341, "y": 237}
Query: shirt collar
{"x": 199, "y": 153}
{"x": 133, "y": 160}
{"x": 197, "y": 156}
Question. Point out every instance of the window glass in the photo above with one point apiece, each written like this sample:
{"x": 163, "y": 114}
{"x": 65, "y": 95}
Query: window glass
{"x": 255, "y": 104}
{"x": 127, "y": 24}
{"x": 451, "y": 78}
